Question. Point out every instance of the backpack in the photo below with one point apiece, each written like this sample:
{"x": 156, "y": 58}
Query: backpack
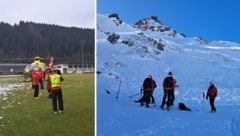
{"x": 147, "y": 83}
{"x": 182, "y": 106}
{"x": 213, "y": 91}
{"x": 169, "y": 82}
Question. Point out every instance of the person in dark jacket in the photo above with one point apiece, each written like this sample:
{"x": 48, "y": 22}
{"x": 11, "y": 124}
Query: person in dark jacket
{"x": 144, "y": 91}
{"x": 148, "y": 86}
{"x": 169, "y": 84}
{"x": 212, "y": 94}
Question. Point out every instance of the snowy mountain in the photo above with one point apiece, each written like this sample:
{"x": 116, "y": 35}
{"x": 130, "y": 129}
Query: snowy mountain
{"x": 126, "y": 54}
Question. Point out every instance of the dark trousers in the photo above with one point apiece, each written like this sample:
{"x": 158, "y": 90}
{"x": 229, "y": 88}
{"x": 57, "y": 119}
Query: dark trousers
{"x": 146, "y": 98}
{"x": 36, "y": 90}
{"x": 57, "y": 100}
{"x": 152, "y": 98}
{"x": 211, "y": 101}
{"x": 144, "y": 95}
{"x": 172, "y": 102}
{"x": 169, "y": 95}
{"x": 41, "y": 83}
{"x": 164, "y": 99}
{"x": 170, "y": 98}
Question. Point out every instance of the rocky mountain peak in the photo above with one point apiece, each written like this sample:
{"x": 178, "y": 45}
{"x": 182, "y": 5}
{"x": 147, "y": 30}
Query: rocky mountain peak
{"x": 155, "y": 25}
{"x": 151, "y": 23}
{"x": 115, "y": 18}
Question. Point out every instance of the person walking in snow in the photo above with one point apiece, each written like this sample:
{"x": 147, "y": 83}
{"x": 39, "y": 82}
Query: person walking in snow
{"x": 169, "y": 84}
{"x": 149, "y": 85}
{"x": 212, "y": 94}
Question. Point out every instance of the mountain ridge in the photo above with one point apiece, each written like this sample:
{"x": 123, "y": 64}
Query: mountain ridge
{"x": 182, "y": 52}
{"x": 153, "y": 24}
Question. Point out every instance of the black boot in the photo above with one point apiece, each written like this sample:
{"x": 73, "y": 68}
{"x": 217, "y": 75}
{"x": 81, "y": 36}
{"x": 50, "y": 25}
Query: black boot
{"x": 162, "y": 107}
{"x": 147, "y": 104}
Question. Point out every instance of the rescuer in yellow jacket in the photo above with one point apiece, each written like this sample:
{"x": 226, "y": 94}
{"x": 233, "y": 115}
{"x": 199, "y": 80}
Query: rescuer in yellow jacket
{"x": 55, "y": 80}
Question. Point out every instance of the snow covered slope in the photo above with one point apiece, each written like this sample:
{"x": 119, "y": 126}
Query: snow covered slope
{"x": 127, "y": 54}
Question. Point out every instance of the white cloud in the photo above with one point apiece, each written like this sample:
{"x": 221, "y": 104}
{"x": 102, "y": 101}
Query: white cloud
{"x": 79, "y": 13}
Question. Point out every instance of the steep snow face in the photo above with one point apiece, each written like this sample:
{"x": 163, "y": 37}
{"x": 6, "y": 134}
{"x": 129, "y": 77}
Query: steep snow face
{"x": 122, "y": 68}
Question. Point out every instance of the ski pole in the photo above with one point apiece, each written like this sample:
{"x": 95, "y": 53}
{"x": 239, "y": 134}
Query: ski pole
{"x": 118, "y": 89}
{"x": 203, "y": 95}
{"x": 141, "y": 91}
{"x": 133, "y": 95}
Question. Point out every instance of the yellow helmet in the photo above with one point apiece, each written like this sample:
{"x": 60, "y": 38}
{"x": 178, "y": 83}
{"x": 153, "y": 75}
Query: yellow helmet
{"x": 37, "y": 58}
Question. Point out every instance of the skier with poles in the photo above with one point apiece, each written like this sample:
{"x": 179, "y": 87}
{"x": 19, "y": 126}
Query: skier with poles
{"x": 148, "y": 87}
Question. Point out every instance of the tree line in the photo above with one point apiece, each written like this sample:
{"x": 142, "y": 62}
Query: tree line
{"x": 25, "y": 40}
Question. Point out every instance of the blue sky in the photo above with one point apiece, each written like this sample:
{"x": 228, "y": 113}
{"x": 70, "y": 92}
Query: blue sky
{"x": 209, "y": 19}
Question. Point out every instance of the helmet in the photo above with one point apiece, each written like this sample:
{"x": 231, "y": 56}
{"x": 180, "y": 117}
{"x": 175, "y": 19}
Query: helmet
{"x": 37, "y": 58}
{"x": 35, "y": 69}
{"x": 169, "y": 73}
{"x": 211, "y": 83}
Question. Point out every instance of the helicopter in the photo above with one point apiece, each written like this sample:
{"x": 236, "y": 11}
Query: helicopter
{"x": 37, "y": 64}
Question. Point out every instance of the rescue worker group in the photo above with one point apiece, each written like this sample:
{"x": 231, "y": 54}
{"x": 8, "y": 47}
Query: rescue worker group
{"x": 54, "y": 79}
{"x": 169, "y": 85}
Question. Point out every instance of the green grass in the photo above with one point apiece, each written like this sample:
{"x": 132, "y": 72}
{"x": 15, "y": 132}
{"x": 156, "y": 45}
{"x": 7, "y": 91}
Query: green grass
{"x": 22, "y": 115}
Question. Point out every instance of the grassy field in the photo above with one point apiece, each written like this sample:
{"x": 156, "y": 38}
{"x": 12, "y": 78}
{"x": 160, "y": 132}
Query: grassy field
{"x": 22, "y": 115}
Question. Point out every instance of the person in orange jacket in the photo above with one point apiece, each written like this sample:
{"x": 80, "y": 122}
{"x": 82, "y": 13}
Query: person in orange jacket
{"x": 148, "y": 87}
{"x": 154, "y": 85}
{"x": 212, "y": 94}
{"x": 35, "y": 74}
{"x": 169, "y": 84}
